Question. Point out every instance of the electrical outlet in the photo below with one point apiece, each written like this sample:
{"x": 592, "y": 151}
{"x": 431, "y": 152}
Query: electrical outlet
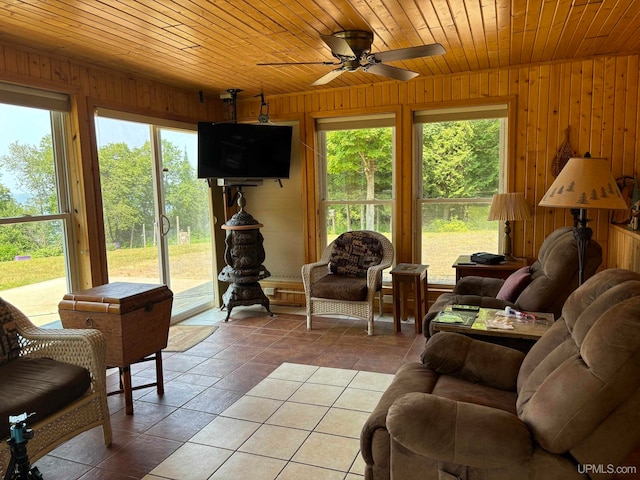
{"x": 270, "y": 291}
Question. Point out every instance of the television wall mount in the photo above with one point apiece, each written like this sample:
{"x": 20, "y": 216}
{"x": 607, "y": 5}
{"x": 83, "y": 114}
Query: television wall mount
{"x": 229, "y": 98}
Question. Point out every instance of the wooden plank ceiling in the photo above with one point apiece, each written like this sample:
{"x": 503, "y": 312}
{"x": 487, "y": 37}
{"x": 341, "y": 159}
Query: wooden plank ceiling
{"x": 214, "y": 45}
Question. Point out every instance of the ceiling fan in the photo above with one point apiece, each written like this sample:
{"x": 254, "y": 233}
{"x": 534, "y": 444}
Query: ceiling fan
{"x": 353, "y": 50}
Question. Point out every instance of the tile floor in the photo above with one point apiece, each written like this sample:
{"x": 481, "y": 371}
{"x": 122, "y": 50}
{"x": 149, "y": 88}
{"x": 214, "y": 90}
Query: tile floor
{"x": 258, "y": 377}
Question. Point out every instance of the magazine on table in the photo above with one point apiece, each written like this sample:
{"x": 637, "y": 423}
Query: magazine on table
{"x": 463, "y": 318}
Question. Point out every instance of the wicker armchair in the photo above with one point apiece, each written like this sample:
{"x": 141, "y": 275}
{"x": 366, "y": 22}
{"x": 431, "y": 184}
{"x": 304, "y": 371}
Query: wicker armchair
{"x": 85, "y": 348}
{"x": 346, "y": 278}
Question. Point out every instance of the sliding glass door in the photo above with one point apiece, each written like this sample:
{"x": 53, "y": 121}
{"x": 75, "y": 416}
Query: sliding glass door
{"x": 156, "y": 212}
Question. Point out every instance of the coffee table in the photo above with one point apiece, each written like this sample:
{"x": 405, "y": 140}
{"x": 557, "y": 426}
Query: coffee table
{"x": 528, "y": 330}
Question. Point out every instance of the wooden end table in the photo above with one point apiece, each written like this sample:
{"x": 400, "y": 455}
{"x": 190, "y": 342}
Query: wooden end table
{"x": 465, "y": 267}
{"x": 406, "y": 277}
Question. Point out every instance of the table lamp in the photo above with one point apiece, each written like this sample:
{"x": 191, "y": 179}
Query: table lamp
{"x": 509, "y": 207}
{"x": 583, "y": 183}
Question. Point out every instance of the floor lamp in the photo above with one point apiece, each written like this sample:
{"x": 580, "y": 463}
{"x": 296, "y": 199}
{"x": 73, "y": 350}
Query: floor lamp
{"x": 584, "y": 183}
{"x": 509, "y": 207}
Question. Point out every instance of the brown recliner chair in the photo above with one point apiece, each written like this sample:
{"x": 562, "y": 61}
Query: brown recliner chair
{"x": 542, "y": 287}
{"x": 474, "y": 410}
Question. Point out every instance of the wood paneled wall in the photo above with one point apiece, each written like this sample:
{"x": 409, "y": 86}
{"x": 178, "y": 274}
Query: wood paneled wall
{"x": 597, "y": 98}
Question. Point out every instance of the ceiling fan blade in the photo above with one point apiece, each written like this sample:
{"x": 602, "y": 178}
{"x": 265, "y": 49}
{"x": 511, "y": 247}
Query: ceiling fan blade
{"x": 333, "y": 74}
{"x": 389, "y": 71}
{"x": 279, "y": 64}
{"x": 338, "y": 46}
{"x": 411, "y": 52}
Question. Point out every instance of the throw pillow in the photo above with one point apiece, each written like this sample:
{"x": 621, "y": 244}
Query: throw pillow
{"x": 515, "y": 284}
{"x": 9, "y": 346}
{"x": 353, "y": 253}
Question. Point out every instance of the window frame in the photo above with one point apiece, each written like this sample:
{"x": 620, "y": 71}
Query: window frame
{"x": 59, "y": 107}
{"x": 502, "y": 109}
{"x": 352, "y": 122}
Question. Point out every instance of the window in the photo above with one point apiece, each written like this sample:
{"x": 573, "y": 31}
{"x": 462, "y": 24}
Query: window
{"x": 35, "y": 223}
{"x": 356, "y": 171}
{"x": 461, "y": 164}
{"x": 155, "y": 209}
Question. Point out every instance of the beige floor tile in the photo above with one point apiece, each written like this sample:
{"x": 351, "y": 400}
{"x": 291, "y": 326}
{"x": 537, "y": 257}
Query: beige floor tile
{"x": 357, "y": 399}
{"x": 225, "y": 432}
{"x": 254, "y": 409}
{"x": 181, "y": 464}
{"x": 358, "y": 465}
{"x": 298, "y": 415}
{"x": 317, "y": 394}
{"x": 328, "y": 451}
{"x": 333, "y": 376}
{"x": 244, "y": 466}
{"x": 297, "y": 471}
{"x": 293, "y": 371}
{"x": 275, "y": 388}
{"x": 372, "y": 381}
{"x": 275, "y": 442}
{"x": 353, "y": 476}
{"x": 339, "y": 421}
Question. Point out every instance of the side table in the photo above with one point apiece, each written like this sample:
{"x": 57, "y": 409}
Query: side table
{"x": 406, "y": 277}
{"x": 134, "y": 319}
{"x": 465, "y": 267}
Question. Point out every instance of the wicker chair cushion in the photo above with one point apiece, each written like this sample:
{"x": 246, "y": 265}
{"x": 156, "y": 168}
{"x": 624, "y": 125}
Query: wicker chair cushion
{"x": 39, "y": 385}
{"x": 340, "y": 287}
{"x": 353, "y": 253}
{"x": 9, "y": 346}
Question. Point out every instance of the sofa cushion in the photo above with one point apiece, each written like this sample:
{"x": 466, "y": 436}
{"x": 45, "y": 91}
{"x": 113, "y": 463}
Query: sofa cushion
{"x": 9, "y": 346}
{"x": 340, "y": 287}
{"x": 515, "y": 284}
{"x": 353, "y": 253}
{"x": 39, "y": 385}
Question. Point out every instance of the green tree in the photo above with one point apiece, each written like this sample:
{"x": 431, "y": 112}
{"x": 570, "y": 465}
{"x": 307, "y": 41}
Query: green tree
{"x": 460, "y": 159}
{"x": 360, "y": 166}
{"x": 33, "y": 170}
{"x": 184, "y": 191}
{"x": 128, "y": 194}
{"x": 127, "y": 191}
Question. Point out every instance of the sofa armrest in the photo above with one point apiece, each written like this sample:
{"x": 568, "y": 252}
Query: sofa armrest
{"x": 476, "y": 361}
{"x": 481, "y": 286}
{"x": 410, "y": 377}
{"x": 459, "y": 432}
{"x": 312, "y": 272}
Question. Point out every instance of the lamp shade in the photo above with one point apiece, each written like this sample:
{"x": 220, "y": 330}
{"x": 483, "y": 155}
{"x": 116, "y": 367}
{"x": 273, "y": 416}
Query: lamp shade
{"x": 508, "y": 207}
{"x": 584, "y": 183}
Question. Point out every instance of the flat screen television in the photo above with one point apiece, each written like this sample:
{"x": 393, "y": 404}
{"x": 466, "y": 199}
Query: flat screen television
{"x": 243, "y": 151}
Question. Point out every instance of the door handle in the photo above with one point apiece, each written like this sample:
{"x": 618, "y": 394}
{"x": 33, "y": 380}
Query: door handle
{"x": 165, "y": 225}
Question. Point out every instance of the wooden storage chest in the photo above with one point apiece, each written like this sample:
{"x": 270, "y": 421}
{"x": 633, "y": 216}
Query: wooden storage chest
{"x": 134, "y": 317}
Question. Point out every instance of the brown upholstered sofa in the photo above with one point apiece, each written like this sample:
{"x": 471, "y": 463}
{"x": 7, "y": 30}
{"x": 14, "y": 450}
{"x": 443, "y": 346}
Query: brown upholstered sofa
{"x": 475, "y": 410}
{"x": 59, "y": 375}
{"x": 543, "y": 287}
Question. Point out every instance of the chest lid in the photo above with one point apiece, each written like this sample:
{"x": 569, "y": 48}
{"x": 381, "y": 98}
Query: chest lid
{"x": 116, "y": 297}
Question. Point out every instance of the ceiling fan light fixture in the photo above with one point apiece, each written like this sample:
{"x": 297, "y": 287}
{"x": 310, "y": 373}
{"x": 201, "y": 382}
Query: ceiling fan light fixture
{"x": 353, "y": 49}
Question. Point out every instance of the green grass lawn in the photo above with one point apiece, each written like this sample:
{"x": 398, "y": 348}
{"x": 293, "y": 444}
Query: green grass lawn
{"x": 135, "y": 262}
{"x": 194, "y": 260}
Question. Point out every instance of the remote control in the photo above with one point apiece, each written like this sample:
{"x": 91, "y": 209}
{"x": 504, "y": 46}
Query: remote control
{"x": 468, "y": 308}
